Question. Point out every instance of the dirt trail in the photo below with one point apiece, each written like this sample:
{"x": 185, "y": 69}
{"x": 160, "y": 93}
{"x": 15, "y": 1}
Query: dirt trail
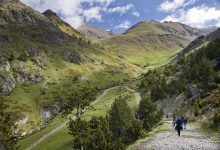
{"x": 43, "y": 138}
{"x": 190, "y": 139}
{"x": 136, "y": 94}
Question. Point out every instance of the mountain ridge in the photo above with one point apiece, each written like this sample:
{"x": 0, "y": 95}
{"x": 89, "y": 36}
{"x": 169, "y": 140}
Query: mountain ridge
{"x": 93, "y": 33}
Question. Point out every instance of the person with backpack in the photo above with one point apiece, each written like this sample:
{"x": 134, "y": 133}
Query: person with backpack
{"x": 179, "y": 125}
{"x": 185, "y": 121}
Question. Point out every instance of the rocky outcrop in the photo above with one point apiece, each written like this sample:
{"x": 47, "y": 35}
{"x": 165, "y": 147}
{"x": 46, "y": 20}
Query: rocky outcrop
{"x": 38, "y": 61}
{"x": 51, "y": 112}
{"x": 15, "y": 12}
{"x": 73, "y": 57}
{"x": 24, "y": 76}
{"x": 7, "y": 82}
{"x": 32, "y": 51}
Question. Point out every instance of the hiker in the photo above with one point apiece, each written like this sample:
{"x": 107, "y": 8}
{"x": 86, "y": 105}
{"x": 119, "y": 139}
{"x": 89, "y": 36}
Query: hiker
{"x": 179, "y": 126}
{"x": 185, "y": 122}
{"x": 167, "y": 116}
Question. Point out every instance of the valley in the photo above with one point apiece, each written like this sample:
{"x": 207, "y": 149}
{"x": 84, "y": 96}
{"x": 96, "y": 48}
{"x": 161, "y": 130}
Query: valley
{"x": 66, "y": 88}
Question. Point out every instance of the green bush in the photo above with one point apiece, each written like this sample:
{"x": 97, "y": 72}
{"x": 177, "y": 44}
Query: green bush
{"x": 148, "y": 114}
{"x": 216, "y": 119}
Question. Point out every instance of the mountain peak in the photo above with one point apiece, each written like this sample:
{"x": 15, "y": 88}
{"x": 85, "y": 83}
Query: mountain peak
{"x": 94, "y": 33}
{"x": 15, "y": 12}
{"x": 49, "y": 13}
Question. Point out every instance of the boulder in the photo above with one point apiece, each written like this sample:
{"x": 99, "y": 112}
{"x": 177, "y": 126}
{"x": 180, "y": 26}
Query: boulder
{"x": 46, "y": 116}
{"x": 25, "y": 76}
{"x": 7, "y": 82}
{"x": 4, "y": 65}
{"x": 51, "y": 112}
{"x": 74, "y": 57}
{"x": 33, "y": 51}
{"x": 37, "y": 61}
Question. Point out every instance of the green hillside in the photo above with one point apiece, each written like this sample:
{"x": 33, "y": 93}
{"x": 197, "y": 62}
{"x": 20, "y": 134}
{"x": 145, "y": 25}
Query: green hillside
{"x": 50, "y": 72}
{"x": 38, "y": 59}
{"x": 141, "y": 43}
{"x": 189, "y": 86}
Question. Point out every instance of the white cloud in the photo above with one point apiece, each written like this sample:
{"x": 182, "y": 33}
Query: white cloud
{"x": 93, "y": 14}
{"x": 171, "y": 6}
{"x": 72, "y": 11}
{"x": 121, "y": 9}
{"x": 135, "y": 13}
{"x": 200, "y": 16}
{"x": 123, "y": 25}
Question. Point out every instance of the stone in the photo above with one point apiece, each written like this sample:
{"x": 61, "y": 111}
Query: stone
{"x": 4, "y": 65}
{"x": 73, "y": 57}
{"x": 37, "y": 61}
{"x": 33, "y": 51}
{"x": 7, "y": 82}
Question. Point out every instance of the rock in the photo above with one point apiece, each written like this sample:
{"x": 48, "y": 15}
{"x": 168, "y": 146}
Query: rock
{"x": 46, "y": 116}
{"x": 24, "y": 76}
{"x": 7, "y": 82}
{"x": 33, "y": 51}
{"x": 35, "y": 78}
{"x": 22, "y": 121}
{"x": 51, "y": 112}
{"x": 74, "y": 57}
{"x": 194, "y": 91}
{"x": 4, "y": 65}
{"x": 37, "y": 61}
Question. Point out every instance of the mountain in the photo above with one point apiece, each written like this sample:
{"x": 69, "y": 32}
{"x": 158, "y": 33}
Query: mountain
{"x": 40, "y": 56}
{"x": 92, "y": 33}
{"x": 199, "y": 42}
{"x": 210, "y": 29}
{"x": 150, "y": 40}
{"x": 65, "y": 27}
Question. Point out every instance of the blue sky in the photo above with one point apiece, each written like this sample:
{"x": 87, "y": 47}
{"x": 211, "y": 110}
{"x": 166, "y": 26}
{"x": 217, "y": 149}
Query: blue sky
{"x": 119, "y": 15}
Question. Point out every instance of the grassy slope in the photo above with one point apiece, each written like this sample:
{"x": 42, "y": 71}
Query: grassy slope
{"x": 148, "y": 43}
{"x": 61, "y": 139}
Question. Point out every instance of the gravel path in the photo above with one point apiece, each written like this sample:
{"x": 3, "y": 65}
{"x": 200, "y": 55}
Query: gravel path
{"x": 190, "y": 139}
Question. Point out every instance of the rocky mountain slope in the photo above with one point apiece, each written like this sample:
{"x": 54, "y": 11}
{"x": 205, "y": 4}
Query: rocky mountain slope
{"x": 150, "y": 38}
{"x": 65, "y": 27}
{"x": 40, "y": 56}
{"x": 93, "y": 33}
{"x": 199, "y": 42}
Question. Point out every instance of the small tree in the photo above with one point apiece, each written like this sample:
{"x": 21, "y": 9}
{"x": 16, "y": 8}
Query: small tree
{"x": 122, "y": 122}
{"x": 80, "y": 98}
{"x": 7, "y": 138}
{"x": 148, "y": 114}
{"x": 94, "y": 134}
{"x": 120, "y": 117}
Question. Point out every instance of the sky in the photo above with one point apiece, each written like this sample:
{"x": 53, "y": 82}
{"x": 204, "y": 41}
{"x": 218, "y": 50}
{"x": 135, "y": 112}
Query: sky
{"x": 119, "y": 15}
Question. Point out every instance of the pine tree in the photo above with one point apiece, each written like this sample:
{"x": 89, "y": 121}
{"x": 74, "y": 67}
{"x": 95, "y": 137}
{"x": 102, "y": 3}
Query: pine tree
{"x": 147, "y": 113}
{"x": 7, "y": 138}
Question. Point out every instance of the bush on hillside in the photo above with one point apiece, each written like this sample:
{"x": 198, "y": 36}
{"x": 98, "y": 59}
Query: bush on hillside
{"x": 148, "y": 114}
{"x": 7, "y": 139}
{"x": 216, "y": 119}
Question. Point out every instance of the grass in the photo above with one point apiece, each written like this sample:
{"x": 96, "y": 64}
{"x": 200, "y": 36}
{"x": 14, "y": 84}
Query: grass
{"x": 206, "y": 130}
{"x": 162, "y": 127}
{"x": 61, "y": 139}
